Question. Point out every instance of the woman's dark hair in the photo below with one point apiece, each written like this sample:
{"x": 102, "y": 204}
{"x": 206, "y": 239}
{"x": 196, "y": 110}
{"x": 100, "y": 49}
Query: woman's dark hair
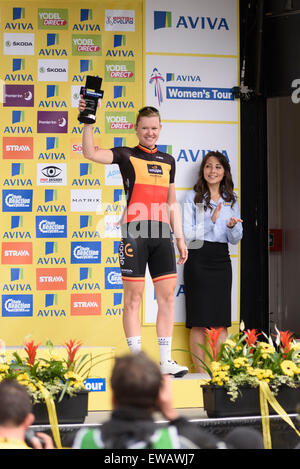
{"x": 226, "y": 186}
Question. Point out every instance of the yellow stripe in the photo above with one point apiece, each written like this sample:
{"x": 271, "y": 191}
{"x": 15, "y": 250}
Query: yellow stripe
{"x": 52, "y": 415}
{"x": 142, "y": 175}
{"x": 164, "y": 277}
{"x": 266, "y": 396}
{"x": 133, "y": 279}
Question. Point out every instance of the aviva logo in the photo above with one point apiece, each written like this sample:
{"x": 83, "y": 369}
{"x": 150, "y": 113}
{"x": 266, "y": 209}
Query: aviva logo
{"x": 18, "y": 13}
{"x": 52, "y": 39}
{"x": 119, "y": 40}
{"x": 162, "y": 19}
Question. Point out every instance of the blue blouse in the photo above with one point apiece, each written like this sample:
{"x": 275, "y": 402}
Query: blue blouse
{"x": 197, "y": 223}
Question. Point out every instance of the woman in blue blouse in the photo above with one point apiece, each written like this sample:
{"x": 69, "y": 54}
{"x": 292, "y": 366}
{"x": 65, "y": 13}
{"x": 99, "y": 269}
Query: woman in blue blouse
{"x": 211, "y": 220}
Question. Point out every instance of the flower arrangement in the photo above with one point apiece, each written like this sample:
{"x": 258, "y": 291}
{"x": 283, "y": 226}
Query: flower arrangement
{"x": 243, "y": 359}
{"x": 56, "y": 374}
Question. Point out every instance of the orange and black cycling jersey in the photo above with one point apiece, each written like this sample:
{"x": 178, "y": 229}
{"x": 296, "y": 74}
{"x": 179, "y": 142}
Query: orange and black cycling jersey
{"x": 147, "y": 175}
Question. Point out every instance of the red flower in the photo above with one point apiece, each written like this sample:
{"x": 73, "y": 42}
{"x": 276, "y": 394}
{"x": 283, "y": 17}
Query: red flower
{"x": 286, "y": 340}
{"x": 31, "y": 349}
{"x": 213, "y": 336}
{"x": 251, "y": 337}
{"x": 72, "y": 347}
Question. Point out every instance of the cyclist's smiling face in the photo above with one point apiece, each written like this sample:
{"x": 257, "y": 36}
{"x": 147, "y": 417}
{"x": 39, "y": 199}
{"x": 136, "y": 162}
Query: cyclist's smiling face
{"x": 148, "y": 130}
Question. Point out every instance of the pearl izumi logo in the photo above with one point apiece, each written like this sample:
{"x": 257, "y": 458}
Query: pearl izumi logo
{"x": 18, "y": 44}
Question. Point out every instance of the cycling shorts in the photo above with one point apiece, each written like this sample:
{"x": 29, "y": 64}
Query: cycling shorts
{"x": 145, "y": 243}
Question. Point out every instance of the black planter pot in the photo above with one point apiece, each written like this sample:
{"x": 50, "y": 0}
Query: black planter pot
{"x": 217, "y": 402}
{"x": 72, "y": 409}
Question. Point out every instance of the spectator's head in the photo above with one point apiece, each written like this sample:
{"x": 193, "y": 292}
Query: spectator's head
{"x": 136, "y": 381}
{"x": 15, "y": 404}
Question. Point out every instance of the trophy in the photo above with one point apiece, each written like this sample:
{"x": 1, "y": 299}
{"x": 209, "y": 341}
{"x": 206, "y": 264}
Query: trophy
{"x": 91, "y": 93}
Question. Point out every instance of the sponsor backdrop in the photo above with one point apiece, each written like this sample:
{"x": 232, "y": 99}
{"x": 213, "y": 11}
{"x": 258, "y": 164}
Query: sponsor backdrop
{"x": 60, "y": 275}
{"x": 191, "y": 67}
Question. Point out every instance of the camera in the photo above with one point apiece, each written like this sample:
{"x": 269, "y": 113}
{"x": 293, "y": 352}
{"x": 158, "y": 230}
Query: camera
{"x": 91, "y": 93}
{"x": 29, "y": 435}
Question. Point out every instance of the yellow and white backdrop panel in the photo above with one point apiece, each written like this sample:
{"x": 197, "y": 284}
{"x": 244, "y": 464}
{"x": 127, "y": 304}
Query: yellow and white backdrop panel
{"x": 192, "y": 58}
{"x": 60, "y": 275}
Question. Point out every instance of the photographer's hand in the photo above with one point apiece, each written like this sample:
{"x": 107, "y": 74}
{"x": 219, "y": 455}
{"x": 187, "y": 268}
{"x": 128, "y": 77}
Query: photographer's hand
{"x": 47, "y": 441}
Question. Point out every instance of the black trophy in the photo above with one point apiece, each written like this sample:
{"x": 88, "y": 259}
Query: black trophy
{"x": 91, "y": 93}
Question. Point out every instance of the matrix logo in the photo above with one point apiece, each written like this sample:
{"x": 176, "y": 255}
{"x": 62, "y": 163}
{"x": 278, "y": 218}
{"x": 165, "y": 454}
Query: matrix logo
{"x": 162, "y": 19}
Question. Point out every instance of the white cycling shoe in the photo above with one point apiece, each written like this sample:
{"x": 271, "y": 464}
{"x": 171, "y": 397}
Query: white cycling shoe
{"x": 171, "y": 367}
